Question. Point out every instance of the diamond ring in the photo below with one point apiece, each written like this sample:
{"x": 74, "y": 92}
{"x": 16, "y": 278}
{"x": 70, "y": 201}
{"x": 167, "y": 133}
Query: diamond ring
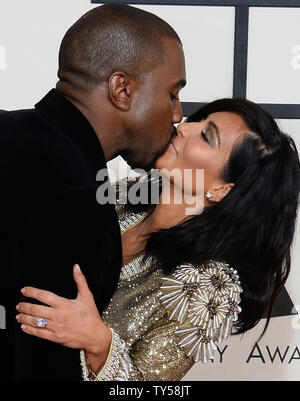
{"x": 41, "y": 322}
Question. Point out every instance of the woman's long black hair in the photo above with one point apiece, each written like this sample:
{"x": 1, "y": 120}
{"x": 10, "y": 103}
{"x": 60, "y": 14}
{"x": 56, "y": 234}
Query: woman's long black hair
{"x": 252, "y": 227}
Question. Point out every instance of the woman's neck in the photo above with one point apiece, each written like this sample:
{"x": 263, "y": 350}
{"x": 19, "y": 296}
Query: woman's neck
{"x": 172, "y": 209}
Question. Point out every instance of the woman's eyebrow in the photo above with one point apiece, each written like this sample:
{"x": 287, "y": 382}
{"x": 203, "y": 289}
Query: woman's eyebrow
{"x": 213, "y": 125}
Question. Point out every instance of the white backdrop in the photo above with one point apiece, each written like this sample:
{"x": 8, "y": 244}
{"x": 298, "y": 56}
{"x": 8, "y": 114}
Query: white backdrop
{"x": 30, "y": 35}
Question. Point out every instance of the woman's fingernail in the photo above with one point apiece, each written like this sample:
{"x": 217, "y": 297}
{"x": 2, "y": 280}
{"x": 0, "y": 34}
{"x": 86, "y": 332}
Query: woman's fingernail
{"x": 23, "y": 290}
{"x": 18, "y": 317}
{"x": 17, "y": 307}
{"x": 77, "y": 269}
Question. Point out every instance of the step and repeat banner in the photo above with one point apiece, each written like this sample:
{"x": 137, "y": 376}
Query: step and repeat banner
{"x": 247, "y": 48}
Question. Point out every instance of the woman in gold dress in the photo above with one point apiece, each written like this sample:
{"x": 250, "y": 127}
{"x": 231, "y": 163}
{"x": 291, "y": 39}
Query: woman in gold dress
{"x": 188, "y": 280}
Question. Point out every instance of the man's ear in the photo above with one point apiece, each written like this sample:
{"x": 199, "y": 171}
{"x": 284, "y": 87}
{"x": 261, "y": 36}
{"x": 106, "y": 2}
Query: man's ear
{"x": 219, "y": 192}
{"x": 120, "y": 87}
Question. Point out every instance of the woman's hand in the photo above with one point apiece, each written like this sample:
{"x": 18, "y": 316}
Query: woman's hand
{"x": 74, "y": 323}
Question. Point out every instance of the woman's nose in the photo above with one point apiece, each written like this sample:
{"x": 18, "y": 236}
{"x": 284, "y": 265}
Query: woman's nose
{"x": 183, "y": 130}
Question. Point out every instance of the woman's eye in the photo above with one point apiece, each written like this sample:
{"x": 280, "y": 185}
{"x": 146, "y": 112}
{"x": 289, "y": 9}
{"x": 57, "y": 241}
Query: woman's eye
{"x": 204, "y": 136}
{"x": 174, "y": 97}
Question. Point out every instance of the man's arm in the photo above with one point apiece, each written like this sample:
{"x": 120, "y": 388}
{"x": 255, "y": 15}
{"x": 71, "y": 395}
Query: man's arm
{"x": 71, "y": 229}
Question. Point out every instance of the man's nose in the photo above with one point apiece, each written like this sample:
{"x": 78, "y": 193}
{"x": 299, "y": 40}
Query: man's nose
{"x": 177, "y": 112}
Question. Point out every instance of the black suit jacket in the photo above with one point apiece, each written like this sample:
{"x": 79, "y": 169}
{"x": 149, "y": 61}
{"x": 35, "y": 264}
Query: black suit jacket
{"x": 50, "y": 220}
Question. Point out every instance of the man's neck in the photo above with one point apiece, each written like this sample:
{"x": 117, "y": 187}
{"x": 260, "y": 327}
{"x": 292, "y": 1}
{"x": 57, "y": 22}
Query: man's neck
{"x": 105, "y": 127}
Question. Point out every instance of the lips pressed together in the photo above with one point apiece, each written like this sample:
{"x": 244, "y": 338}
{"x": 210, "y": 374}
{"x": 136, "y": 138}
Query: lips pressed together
{"x": 172, "y": 145}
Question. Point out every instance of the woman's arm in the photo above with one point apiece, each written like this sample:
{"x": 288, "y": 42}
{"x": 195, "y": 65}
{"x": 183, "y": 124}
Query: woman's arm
{"x": 104, "y": 355}
{"x": 166, "y": 351}
{"x": 155, "y": 356}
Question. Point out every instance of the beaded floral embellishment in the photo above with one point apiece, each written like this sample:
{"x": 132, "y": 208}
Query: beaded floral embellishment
{"x": 206, "y": 298}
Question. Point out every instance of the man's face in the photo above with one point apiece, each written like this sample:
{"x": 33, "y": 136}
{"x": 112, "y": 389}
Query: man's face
{"x": 155, "y": 108}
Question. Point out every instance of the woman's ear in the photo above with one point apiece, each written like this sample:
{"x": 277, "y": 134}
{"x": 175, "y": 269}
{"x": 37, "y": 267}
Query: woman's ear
{"x": 120, "y": 87}
{"x": 219, "y": 192}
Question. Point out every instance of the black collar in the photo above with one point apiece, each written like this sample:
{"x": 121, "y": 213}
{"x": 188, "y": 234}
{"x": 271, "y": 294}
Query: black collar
{"x": 62, "y": 114}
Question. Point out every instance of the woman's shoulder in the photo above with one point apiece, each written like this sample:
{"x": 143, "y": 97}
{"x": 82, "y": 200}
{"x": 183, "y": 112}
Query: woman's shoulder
{"x": 216, "y": 278}
{"x": 204, "y": 301}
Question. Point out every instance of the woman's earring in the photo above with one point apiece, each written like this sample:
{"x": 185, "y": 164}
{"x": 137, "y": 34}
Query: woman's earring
{"x": 208, "y": 195}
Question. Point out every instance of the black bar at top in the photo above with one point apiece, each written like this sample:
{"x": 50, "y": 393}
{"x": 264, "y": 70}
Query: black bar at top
{"x": 240, "y": 51}
{"x": 278, "y": 111}
{"x": 223, "y": 3}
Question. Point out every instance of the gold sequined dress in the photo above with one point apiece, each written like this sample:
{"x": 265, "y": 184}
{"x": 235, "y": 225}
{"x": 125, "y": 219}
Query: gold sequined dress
{"x": 162, "y": 324}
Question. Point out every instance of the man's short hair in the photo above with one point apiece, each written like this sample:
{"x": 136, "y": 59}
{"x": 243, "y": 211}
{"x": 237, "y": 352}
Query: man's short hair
{"x": 108, "y": 38}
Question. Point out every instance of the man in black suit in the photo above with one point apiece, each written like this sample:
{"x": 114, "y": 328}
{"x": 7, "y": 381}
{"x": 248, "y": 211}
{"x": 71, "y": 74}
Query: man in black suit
{"x": 120, "y": 72}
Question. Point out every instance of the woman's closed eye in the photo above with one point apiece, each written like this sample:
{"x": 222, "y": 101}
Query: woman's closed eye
{"x": 204, "y": 136}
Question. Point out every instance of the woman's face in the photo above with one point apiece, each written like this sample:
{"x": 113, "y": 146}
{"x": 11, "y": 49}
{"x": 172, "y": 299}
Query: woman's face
{"x": 204, "y": 145}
